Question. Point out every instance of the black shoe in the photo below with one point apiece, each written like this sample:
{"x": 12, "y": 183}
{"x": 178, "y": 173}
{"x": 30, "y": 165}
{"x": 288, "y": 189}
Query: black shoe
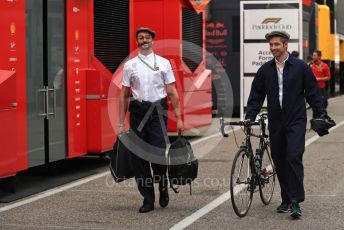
{"x": 295, "y": 210}
{"x": 283, "y": 208}
{"x": 164, "y": 198}
{"x": 146, "y": 208}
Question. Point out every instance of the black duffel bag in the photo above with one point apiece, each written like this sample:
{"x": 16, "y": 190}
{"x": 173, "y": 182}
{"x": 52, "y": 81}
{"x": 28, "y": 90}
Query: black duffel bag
{"x": 121, "y": 166}
{"x": 322, "y": 124}
{"x": 182, "y": 164}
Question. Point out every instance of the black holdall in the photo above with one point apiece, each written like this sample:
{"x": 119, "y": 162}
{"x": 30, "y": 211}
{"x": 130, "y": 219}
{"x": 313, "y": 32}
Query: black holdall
{"x": 182, "y": 164}
{"x": 121, "y": 167}
{"x": 322, "y": 125}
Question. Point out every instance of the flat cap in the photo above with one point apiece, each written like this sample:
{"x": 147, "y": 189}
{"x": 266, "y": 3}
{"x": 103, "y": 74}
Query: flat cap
{"x": 145, "y": 29}
{"x": 279, "y": 33}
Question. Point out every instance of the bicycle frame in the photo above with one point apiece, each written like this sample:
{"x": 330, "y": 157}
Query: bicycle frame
{"x": 247, "y": 146}
{"x": 258, "y": 173}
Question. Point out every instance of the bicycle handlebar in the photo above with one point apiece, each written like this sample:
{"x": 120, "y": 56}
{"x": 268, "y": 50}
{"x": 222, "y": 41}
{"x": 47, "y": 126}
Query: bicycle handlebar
{"x": 236, "y": 123}
{"x": 243, "y": 123}
{"x": 247, "y": 123}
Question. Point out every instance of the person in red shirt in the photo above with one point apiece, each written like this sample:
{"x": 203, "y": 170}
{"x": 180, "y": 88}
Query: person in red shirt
{"x": 322, "y": 73}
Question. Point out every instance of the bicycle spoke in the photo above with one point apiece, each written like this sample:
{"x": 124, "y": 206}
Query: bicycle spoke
{"x": 267, "y": 178}
{"x": 241, "y": 196}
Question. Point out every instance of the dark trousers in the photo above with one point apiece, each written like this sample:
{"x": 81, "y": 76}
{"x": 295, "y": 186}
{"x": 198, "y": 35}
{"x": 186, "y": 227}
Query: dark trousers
{"x": 323, "y": 93}
{"x": 152, "y": 133}
{"x": 287, "y": 148}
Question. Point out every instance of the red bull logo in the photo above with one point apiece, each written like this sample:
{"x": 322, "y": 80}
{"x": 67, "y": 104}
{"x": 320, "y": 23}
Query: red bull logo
{"x": 217, "y": 29}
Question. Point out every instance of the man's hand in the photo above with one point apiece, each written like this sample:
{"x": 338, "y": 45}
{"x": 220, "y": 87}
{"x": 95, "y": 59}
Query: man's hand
{"x": 123, "y": 107}
{"x": 246, "y": 127}
{"x": 121, "y": 128}
{"x": 174, "y": 98}
{"x": 180, "y": 126}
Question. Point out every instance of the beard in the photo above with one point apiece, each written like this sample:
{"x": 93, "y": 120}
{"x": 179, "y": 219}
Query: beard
{"x": 143, "y": 47}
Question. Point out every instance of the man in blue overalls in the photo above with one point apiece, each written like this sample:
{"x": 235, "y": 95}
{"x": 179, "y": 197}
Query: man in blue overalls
{"x": 286, "y": 82}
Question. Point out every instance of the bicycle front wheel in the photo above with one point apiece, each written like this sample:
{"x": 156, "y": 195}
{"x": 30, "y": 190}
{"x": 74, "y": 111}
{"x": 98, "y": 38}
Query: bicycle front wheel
{"x": 267, "y": 176}
{"x": 241, "y": 183}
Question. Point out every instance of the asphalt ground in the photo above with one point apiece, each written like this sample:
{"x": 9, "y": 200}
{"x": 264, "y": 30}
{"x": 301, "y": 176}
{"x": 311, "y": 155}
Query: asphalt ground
{"x": 98, "y": 203}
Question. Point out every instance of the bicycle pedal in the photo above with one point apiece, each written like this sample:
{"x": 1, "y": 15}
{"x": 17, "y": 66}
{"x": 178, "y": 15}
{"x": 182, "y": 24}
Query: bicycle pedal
{"x": 254, "y": 189}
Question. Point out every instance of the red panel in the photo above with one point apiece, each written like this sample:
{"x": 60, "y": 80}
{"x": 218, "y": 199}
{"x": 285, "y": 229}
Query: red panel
{"x": 100, "y": 132}
{"x": 13, "y": 57}
{"x": 146, "y": 17}
{"x": 197, "y": 111}
{"x": 198, "y": 82}
{"x": 8, "y": 155}
{"x": 8, "y": 114}
{"x": 166, "y": 21}
{"x": 307, "y": 2}
{"x": 7, "y": 89}
{"x": 103, "y": 90}
{"x": 77, "y": 63}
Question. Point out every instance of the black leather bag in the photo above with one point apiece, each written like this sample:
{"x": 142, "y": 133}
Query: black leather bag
{"x": 182, "y": 164}
{"x": 121, "y": 166}
{"x": 322, "y": 125}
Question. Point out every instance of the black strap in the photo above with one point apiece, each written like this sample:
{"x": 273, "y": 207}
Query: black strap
{"x": 146, "y": 117}
{"x": 160, "y": 112}
{"x": 163, "y": 126}
{"x": 116, "y": 169}
{"x": 175, "y": 189}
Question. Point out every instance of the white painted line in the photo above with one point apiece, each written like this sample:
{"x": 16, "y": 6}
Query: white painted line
{"x": 226, "y": 196}
{"x": 205, "y": 138}
{"x": 314, "y": 195}
{"x": 53, "y": 191}
{"x": 201, "y": 212}
{"x": 316, "y": 137}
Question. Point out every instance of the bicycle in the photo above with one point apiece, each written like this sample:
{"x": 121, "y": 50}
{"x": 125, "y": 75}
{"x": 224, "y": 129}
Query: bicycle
{"x": 251, "y": 170}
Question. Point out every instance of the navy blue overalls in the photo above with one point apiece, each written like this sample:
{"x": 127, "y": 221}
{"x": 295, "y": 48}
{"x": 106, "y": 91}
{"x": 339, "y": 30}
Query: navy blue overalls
{"x": 153, "y": 133}
{"x": 287, "y": 125}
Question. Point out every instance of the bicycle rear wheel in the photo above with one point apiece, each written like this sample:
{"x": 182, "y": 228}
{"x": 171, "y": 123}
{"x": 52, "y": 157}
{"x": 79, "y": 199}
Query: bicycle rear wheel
{"x": 267, "y": 177}
{"x": 240, "y": 184}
